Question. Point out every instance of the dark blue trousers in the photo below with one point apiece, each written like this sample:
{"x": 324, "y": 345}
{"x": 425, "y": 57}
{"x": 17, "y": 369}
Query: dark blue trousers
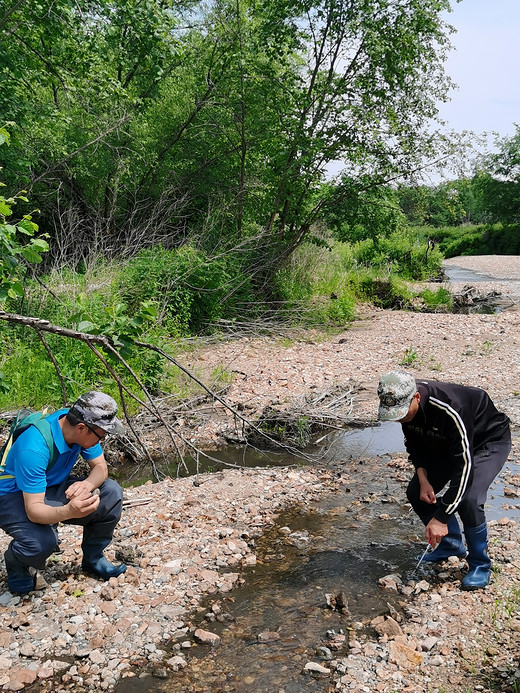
{"x": 33, "y": 543}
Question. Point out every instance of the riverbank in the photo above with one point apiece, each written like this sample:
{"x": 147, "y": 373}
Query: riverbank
{"x": 187, "y": 539}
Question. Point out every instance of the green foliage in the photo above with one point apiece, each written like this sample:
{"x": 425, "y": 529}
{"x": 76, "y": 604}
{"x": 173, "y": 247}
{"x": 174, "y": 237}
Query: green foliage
{"x": 363, "y": 212}
{"x": 439, "y": 300}
{"x": 497, "y": 180}
{"x": 385, "y": 292}
{"x": 403, "y": 253}
{"x": 447, "y": 204}
{"x": 125, "y": 304}
{"x": 475, "y": 240}
{"x": 156, "y": 122}
{"x": 188, "y": 287}
{"x": 32, "y": 379}
{"x": 315, "y": 285}
{"x": 19, "y": 240}
{"x": 121, "y": 326}
{"x": 410, "y": 357}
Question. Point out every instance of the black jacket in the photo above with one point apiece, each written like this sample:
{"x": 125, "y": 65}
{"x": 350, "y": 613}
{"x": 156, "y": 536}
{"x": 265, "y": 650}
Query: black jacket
{"x": 452, "y": 423}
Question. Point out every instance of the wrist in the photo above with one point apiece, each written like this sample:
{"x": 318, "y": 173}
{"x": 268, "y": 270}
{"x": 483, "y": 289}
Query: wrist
{"x": 63, "y": 513}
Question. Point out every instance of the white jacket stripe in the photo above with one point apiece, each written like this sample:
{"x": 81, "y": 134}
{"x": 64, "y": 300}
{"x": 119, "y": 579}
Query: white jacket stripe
{"x": 466, "y": 452}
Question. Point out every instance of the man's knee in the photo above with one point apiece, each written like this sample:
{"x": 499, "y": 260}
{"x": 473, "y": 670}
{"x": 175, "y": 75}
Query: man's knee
{"x": 112, "y": 490}
{"x": 34, "y": 548}
{"x": 111, "y": 497}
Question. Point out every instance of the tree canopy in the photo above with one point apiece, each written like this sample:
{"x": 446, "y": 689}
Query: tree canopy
{"x": 144, "y": 121}
{"x": 497, "y": 180}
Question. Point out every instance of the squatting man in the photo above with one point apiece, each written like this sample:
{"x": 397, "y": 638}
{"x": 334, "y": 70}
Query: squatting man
{"x": 455, "y": 437}
{"x": 35, "y": 497}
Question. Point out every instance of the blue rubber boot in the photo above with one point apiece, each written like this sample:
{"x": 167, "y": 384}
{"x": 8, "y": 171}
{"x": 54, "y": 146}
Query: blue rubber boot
{"x": 102, "y": 568}
{"x": 19, "y": 579}
{"x": 450, "y": 545}
{"x": 94, "y": 561}
{"x": 479, "y": 562}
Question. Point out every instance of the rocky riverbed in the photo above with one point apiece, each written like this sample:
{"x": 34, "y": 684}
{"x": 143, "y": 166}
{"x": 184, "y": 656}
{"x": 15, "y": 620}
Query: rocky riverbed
{"x": 189, "y": 539}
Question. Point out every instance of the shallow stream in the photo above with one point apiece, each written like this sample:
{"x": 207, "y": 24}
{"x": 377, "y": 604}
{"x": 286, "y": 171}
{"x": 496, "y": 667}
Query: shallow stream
{"x": 344, "y": 543}
{"x": 494, "y": 304}
{"x": 279, "y": 619}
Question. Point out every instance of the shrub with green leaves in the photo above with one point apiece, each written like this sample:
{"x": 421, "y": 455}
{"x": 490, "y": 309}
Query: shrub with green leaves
{"x": 314, "y": 285}
{"x": 18, "y": 239}
{"x": 189, "y": 288}
{"x": 439, "y": 300}
{"x": 401, "y": 253}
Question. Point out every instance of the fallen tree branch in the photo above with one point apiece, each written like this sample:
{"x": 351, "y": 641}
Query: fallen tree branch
{"x": 94, "y": 341}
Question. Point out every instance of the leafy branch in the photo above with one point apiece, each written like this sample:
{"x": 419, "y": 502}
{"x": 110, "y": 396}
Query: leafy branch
{"x": 18, "y": 239}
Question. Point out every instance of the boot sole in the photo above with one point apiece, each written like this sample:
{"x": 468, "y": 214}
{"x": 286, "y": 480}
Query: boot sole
{"x": 472, "y": 588}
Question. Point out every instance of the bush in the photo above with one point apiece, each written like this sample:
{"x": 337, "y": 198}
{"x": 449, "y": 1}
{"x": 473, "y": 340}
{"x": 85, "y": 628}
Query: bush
{"x": 189, "y": 287}
{"x": 475, "y": 240}
{"x": 440, "y": 300}
{"x": 385, "y": 292}
{"x": 315, "y": 284}
{"x": 402, "y": 253}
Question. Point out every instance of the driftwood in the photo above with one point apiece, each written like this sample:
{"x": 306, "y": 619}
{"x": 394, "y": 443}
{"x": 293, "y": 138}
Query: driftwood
{"x": 332, "y": 407}
{"x": 100, "y": 345}
{"x": 469, "y": 296}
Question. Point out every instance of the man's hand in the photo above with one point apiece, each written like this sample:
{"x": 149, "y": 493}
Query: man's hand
{"x": 427, "y": 494}
{"x": 82, "y": 500}
{"x": 435, "y": 530}
{"x": 81, "y": 505}
{"x": 79, "y": 489}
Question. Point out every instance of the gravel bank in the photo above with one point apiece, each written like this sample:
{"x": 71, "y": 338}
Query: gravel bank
{"x": 184, "y": 539}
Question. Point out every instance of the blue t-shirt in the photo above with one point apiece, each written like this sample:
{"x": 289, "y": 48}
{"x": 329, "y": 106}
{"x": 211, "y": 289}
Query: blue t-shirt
{"x": 28, "y": 459}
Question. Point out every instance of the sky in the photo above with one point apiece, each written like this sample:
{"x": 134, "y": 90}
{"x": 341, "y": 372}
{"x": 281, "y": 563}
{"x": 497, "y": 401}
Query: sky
{"x": 485, "y": 63}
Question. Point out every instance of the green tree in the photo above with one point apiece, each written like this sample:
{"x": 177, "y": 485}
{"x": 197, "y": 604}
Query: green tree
{"x": 365, "y": 213}
{"x": 355, "y": 82}
{"x": 448, "y": 204}
{"x": 134, "y": 129}
{"x": 413, "y": 201}
{"x": 79, "y": 79}
{"x": 497, "y": 180}
{"x": 444, "y": 206}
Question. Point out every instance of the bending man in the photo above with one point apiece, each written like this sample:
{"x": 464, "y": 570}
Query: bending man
{"x": 455, "y": 437}
{"x": 37, "y": 492}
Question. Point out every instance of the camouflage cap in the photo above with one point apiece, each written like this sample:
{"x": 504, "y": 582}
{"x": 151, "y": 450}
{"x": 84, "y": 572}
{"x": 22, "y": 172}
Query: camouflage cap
{"x": 98, "y": 409}
{"x": 395, "y": 390}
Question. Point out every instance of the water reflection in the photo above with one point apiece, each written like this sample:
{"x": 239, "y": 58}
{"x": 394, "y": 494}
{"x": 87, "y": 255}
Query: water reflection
{"x": 382, "y": 439}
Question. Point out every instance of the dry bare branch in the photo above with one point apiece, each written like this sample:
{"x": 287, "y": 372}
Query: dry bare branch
{"x": 95, "y": 342}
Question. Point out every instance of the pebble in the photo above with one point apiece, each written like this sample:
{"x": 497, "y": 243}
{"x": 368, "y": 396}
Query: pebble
{"x": 186, "y": 532}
